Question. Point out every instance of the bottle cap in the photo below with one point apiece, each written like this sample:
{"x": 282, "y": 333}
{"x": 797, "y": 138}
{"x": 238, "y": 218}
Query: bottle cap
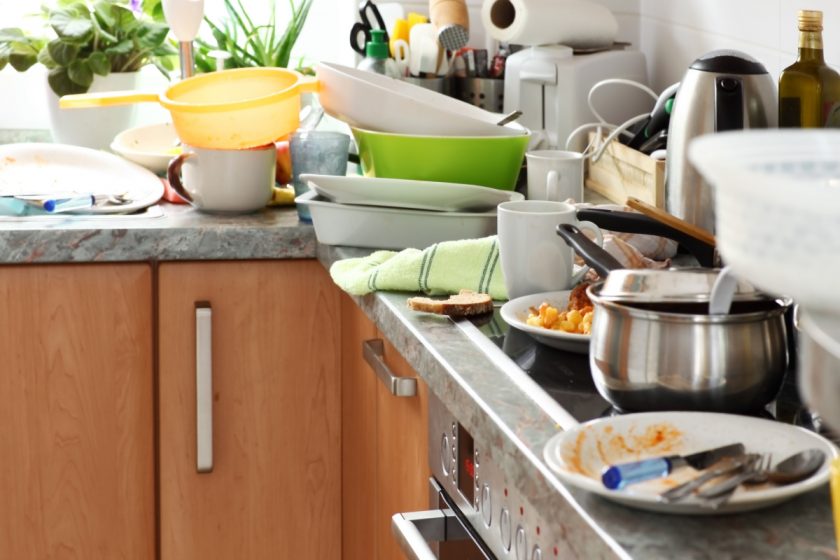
{"x": 377, "y": 47}
{"x": 810, "y": 20}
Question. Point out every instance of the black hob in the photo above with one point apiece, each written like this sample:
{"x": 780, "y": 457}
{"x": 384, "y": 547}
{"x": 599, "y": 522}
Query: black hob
{"x": 566, "y": 377}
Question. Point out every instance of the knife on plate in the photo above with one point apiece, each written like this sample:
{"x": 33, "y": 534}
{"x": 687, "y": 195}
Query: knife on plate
{"x": 616, "y": 477}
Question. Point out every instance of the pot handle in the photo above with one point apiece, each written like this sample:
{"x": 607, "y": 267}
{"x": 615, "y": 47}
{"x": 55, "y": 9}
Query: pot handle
{"x": 173, "y": 175}
{"x": 635, "y": 222}
{"x": 596, "y": 257}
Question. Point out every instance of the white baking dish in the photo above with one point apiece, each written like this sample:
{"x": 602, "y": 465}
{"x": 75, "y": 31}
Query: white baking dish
{"x": 392, "y": 228}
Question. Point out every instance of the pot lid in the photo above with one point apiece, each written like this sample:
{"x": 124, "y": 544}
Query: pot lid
{"x": 684, "y": 285}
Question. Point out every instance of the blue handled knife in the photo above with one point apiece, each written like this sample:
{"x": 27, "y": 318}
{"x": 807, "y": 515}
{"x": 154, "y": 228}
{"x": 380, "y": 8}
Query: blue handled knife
{"x": 616, "y": 477}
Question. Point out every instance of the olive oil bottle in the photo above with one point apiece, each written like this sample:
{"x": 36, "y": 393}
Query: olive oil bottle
{"x": 809, "y": 90}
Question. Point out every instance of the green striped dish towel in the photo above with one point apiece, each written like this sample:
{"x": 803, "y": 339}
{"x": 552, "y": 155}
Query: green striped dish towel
{"x": 444, "y": 268}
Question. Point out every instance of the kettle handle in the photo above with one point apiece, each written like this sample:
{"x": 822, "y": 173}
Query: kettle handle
{"x": 729, "y": 103}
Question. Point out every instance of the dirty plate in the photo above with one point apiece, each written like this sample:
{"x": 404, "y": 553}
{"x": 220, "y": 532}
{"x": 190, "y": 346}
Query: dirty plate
{"x": 515, "y": 313}
{"x": 406, "y": 193}
{"x": 46, "y": 169}
{"x": 579, "y": 455}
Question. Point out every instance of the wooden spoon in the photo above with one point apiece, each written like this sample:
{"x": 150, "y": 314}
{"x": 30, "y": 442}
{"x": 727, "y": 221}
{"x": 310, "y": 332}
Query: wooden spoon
{"x": 671, "y": 220}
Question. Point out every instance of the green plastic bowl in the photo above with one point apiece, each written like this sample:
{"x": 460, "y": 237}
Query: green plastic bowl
{"x": 490, "y": 161}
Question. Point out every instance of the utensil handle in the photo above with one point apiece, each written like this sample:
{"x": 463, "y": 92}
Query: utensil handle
{"x": 681, "y": 491}
{"x": 106, "y": 99}
{"x": 204, "y": 387}
{"x": 617, "y": 477}
{"x": 373, "y": 352}
{"x": 676, "y": 223}
{"x": 595, "y": 256}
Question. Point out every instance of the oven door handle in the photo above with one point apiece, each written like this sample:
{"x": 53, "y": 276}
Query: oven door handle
{"x": 414, "y": 531}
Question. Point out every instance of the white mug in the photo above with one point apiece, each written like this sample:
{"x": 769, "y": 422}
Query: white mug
{"x": 534, "y": 258}
{"x": 224, "y": 181}
{"x": 555, "y": 175}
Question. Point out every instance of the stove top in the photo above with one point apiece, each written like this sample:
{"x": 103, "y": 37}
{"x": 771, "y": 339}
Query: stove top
{"x": 566, "y": 378}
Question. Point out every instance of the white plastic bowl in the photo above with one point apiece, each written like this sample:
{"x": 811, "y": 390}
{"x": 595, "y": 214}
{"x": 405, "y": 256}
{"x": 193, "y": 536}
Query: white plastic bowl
{"x": 151, "y": 146}
{"x": 777, "y": 208}
{"x": 375, "y": 102}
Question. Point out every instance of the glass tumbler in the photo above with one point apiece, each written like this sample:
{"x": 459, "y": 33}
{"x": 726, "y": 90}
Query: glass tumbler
{"x": 320, "y": 152}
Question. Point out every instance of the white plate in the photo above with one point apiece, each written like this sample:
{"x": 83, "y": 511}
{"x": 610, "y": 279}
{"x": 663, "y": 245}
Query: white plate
{"x": 515, "y": 313}
{"x": 406, "y": 193}
{"x": 63, "y": 169}
{"x": 577, "y": 456}
{"x": 151, "y": 146}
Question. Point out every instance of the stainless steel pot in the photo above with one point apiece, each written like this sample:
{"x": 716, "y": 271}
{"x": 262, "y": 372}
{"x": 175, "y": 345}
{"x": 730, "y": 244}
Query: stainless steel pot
{"x": 666, "y": 355}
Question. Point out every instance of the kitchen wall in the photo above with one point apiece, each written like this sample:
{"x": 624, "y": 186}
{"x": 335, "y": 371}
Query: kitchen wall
{"x": 670, "y": 33}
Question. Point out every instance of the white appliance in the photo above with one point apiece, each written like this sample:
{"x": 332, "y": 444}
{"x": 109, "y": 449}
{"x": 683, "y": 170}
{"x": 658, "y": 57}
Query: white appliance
{"x": 550, "y": 85}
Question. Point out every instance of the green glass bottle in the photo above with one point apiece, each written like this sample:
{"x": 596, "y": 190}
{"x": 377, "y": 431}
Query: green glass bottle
{"x": 809, "y": 90}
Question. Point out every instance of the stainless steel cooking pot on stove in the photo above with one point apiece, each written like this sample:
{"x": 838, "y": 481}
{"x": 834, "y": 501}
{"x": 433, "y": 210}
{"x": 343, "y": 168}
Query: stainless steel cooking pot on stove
{"x": 655, "y": 347}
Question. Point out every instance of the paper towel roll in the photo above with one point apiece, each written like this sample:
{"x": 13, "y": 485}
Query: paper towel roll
{"x": 576, "y": 23}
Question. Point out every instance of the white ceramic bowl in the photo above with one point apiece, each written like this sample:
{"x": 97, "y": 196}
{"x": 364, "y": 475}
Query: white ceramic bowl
{"x": 375, "y": 102}
{"x": 777, "y": 208}
{"x": 151, "y": 146}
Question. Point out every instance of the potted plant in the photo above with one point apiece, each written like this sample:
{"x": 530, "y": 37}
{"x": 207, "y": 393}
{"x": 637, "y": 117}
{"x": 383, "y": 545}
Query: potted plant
{"x": 91, "y": 45}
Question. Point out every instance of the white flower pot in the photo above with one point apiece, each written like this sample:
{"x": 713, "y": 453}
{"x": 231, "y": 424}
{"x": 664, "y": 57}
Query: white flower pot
{"x": 94, "y": 127}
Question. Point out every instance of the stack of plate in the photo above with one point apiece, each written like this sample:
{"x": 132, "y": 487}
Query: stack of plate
{"x": 399, "y": 213}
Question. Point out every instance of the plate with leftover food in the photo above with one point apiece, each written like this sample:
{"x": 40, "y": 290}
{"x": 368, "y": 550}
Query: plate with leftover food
{"x": 578, "y": 456}
{"x": 405, "y": 193}
{"x": 550, "y": 319}
{"x": 64, "y": 171}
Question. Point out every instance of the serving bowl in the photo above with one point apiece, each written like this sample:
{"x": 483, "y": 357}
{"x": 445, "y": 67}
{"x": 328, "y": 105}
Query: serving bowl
{"x": 777, "y": 195}
{"x": 151, "y": 146}
{"x": 489, "y": 161}
{"x": 397, "y": 106}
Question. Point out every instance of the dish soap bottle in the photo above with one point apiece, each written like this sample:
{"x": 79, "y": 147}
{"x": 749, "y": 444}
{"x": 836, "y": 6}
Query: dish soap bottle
{"x": 809, "y": 90}
{"x": 376, "y": 56}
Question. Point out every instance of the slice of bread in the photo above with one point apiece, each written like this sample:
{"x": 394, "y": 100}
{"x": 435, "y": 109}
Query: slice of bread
{"x": 463, "y": 304}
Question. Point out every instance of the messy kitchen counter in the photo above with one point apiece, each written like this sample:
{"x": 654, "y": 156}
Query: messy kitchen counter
{"x": 507, "y": 409}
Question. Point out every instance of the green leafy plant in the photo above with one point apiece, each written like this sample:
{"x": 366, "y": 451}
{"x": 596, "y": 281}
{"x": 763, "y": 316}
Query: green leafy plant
{"x": 248, "y": 43}
{"x": 91, "y": 38}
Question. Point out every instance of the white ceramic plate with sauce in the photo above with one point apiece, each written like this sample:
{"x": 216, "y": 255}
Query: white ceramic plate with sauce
{"x": 515, "y": 313}
{"x": 45, "y": 169}
{"x": 405, "y": 193}
{"x": 579, "y": 455}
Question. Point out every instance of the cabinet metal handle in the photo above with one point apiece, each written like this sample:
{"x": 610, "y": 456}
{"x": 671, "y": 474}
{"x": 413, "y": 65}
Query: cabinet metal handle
{"x": 203, "y": 387}
{"x": 373, "y": 352}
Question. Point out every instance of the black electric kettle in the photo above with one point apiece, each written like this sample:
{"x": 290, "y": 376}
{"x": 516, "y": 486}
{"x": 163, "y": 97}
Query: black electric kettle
{"x": 722, "y": 90}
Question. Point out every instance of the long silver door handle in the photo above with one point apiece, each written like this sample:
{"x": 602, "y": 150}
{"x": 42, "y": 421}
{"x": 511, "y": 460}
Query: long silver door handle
{"x": 373, "y": 351}
{"x": 414, "y": 531}
{"x": 203, "y": 387}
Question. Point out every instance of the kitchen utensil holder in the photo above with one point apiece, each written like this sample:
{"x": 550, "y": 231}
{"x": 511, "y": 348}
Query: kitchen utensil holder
{"x": 440, "y": 85}
{"x": 622, "y": 172}
{"x": 487, "y": 93}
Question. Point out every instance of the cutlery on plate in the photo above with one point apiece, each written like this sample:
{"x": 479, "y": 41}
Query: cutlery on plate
{"x": 616, "y": 477}
{"x": 798, "y": 466}
{"x": 725, "y": 466}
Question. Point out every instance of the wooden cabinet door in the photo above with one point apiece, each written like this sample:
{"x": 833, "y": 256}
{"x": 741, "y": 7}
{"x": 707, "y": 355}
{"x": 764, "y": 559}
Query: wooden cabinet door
{"x": 402, "y": 438}
{"x": 76, "y": 412}
{"x": 274, "y": 491}
{"x": 358, "y": 436}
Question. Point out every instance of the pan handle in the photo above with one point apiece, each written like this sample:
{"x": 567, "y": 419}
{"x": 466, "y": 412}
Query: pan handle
{"x": 596, "y": 257}
{"x": 106, "y": 99}
{"x": 634, "y": 222}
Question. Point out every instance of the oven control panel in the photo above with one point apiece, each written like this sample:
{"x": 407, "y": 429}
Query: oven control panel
{"x": 504, "y": 520}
